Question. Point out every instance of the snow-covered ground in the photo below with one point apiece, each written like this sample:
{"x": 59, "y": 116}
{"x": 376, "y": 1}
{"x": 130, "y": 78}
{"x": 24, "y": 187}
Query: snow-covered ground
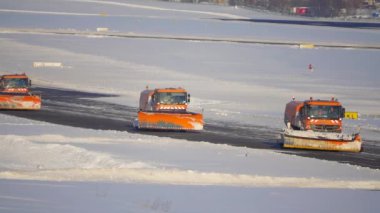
{"x": 52, "y": 168}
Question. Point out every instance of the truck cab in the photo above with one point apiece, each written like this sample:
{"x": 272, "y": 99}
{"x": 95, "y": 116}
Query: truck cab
{"x": 17, "y": 83}
{"x": 15, "y": 93}
{"x": 167, "y": 99}
{"x": 315, "y": 115}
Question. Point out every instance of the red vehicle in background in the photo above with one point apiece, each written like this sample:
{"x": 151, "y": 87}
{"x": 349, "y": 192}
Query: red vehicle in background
{"x": 302, "y": 11}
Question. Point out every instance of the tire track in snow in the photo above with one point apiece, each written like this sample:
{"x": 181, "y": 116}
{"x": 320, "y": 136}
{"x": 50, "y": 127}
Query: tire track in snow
{"x": 80, "y": 109}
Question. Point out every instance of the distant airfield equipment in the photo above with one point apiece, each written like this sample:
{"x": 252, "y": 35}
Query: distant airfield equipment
{"x": 351, "y": 115}
{"x": 306, "y": 46}
{"x": 38, "y": 64}
{"x": 102, "y": 29}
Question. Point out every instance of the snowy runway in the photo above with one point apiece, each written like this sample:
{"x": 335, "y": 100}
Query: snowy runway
{"x": 78, "y": 154}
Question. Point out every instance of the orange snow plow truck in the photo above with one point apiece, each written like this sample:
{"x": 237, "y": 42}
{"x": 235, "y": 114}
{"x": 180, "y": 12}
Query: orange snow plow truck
{"x": 166, "y": 109}
{"x": 15, "y": 93}
{"x": 317, "y": 124}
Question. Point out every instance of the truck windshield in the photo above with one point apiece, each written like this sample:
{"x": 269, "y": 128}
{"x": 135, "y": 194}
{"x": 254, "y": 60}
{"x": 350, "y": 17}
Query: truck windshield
{"x": 326, "y": 112}
{"x": 14, "y": 83}
{"x": 171, "y": 98}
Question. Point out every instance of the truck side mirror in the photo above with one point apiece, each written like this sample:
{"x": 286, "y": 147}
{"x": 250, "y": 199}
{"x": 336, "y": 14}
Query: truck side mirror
{"x": 343, "y": 113}
{"x": 188, "y": 98}
{"x": 30, "y": 83}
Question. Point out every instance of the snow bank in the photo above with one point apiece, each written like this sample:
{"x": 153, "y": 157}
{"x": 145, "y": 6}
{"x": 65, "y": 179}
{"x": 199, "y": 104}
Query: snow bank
{"x": 176, "y": 177}
{"x": 46, "y": 161}
{"x": 25, "y": 155}
{"x": 74, "y": 154}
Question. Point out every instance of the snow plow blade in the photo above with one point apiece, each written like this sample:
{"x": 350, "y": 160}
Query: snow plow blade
{"x": 20, "y": 102}
{"x": 169, "y": 121}
{"x": 321, "y": 141}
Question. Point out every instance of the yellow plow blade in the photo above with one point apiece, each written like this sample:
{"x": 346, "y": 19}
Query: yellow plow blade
{"x": 20, "y": 102}
{"x": 170, "y": 121}
{"x": 333, "y": 142}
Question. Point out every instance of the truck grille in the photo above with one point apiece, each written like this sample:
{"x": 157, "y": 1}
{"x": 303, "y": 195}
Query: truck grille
{"x": 325, "y": 128}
